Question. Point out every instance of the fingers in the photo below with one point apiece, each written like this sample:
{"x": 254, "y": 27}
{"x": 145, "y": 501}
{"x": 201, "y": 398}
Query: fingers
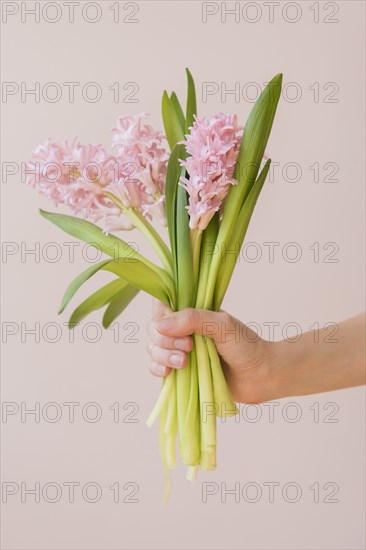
{"x": 159, "y": 370}
{"x": 183, "y": 323}
{"x": 166, "y": 352}
{"x": 168, "y": 357}
{"x": 167, "y": 342}
{"x": 159, "y": 309}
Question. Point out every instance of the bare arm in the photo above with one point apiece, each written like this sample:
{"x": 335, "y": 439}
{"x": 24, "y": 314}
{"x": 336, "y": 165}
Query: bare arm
{"x": 307, "y": 367}
{"x": 257, "y": 370}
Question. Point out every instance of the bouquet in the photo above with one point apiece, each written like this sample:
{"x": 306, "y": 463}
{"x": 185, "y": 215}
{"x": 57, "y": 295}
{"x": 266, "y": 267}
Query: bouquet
{"x": 204, "y": 190}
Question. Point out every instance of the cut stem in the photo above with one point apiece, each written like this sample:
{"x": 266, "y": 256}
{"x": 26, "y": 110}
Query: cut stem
{"x": 162, "y": 399}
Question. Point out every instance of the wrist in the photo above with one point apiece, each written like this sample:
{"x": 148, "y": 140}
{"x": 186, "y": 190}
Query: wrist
{"x": 258, "y": 381}
{"x": 286, "y": 361}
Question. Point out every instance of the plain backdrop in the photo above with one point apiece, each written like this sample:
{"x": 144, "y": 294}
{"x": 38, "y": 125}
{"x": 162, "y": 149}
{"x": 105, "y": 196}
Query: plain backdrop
{"x": 310, "y": 214}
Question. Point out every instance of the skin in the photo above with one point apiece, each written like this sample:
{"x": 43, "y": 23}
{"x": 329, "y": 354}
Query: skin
{"x": 257, "y": 370}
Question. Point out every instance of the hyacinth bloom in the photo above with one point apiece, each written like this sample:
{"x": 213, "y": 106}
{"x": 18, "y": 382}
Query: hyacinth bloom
{"x": 213, "y": 145}
{"x": 72, "y": 174}
{"x": 79, "y": 176}
{"x": 141, "y": 147}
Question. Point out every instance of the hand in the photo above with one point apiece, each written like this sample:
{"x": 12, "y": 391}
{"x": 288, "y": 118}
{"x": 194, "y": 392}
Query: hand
{"x": 246, "y": 358}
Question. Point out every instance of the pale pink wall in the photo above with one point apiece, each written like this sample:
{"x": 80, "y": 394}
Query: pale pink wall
{"x": 153, "y": 52}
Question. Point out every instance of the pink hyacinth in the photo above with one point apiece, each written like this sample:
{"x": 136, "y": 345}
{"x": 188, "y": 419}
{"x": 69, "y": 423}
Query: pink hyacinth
{"x": 142, "y": 146}
{"x": 73, "y": 174}
{"x": 213, "y": 146}
{"x": 79, "y": 176}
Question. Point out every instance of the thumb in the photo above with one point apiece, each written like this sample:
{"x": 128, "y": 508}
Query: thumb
{"x": 213, "y": 324}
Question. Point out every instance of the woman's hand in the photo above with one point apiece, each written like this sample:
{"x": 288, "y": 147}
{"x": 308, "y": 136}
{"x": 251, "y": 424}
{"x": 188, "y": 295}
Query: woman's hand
{"x": 257, "y": 370}
{"x": 246, "y": 359}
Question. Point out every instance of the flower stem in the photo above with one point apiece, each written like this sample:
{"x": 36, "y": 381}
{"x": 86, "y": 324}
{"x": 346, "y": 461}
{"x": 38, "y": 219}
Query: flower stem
{"x": 162, "y": 400}
{"x": 196, "y": 238}
{"x": 207, "y": 405}
{"x": 148, "y": 231}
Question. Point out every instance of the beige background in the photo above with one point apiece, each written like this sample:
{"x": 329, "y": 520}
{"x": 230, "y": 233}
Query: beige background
{"x": 153, "y": 53}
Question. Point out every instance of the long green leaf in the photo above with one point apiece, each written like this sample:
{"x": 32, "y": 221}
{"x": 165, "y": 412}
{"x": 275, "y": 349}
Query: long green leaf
{"x": 252, "y": 147}
{"x": 142, "y": 277}
{"x": 228, "y": 265}
{"x": 191, "y": 101}
{"x": 253, "y": 144}
{"x": 185, "y": 292}
{"x": 79, "y": 281}
{"x": 92, "y": 234}
{"x": 118, "y": 304}
{"x": 127, "y": 263}
{"x": 173, "y": 174}
{"x": 178, "y": 110}
{"x": 185, "y": 286}
{"x": 97, "y": 300}
{"x": 172, "y": 125}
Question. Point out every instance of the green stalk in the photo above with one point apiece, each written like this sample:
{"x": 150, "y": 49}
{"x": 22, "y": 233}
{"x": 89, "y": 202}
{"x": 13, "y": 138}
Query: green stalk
{"x": 162, "y": 400}
{"x": 221, "y": 392}
{"x": 208, "y": 459}
{"x": 163, "y": 446}
{"x": 207, "y": 251}
{"x": 191, "y": 439}
{"x": 207, "y": 405}
{"x": 171, "y": 420}
{"x": 170, "y": 427}
{"x": 184, "y": 299}
{"x": 148, "y": 231}
{"x": 192, "y": 473}
{"x": 196, "y": 238}
{"x": 227, "y": 267}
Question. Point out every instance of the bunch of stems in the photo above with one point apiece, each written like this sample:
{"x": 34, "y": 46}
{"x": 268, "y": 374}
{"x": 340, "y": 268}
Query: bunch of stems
{"x": 191, "y": 398}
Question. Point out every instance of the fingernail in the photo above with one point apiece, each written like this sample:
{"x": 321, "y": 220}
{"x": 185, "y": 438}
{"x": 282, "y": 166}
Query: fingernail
{"x": 176, "y": 360}
{"x": 160, "y": 369}
{"x": 165, "y": 323}
{"x": 180, "y": 343}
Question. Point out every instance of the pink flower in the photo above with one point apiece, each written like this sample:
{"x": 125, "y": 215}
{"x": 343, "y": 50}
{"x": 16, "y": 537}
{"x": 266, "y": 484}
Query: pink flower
{"x": 213, "y": 146}
{"x": 79, "y": 176}
{"x": 75, "y": 175}
{"x": 142, "y": 147}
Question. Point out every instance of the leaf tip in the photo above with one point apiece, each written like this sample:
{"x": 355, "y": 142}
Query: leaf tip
{"x": 105, "y": 323}
{"x": 278, "y": 78}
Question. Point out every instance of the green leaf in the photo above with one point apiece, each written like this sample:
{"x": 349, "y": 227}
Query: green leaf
{"x": 178, "y": 110}
{"x": 173, "y": 174}
{"x": 208, "y": 250}
{"x": 185, "y": 286}
{"x": 191, "y": 101}
{"x": 252, "y": 147}
{"x": 97, "y": 300}
{"x": 172, "y": 125}
{"x": 80, "y": 280}
{"x": 118, "y": 304}
{"x": 142, "y": 277}
{"x": 227, "y": 267}
{"x": 92, "y": 234}
{"x": 127, "y": 263}
{"x": 253, "y": 144}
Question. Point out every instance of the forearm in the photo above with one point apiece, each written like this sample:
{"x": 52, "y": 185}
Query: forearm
{"x": 306, "y": 367}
